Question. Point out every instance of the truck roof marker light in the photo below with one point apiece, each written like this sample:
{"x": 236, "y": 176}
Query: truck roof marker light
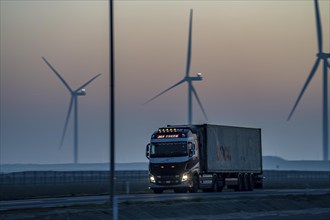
{"x": 166, "y": 129}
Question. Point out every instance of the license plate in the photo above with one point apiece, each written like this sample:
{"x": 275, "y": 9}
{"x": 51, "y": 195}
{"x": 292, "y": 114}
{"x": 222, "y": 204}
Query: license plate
{"x": 168, "y": 181}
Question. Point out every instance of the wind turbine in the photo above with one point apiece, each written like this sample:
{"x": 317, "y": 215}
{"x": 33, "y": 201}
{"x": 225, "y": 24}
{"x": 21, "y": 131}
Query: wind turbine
{"x": 189, "y": 79}
{"x": 73, "y": 104}
{"x": 321, "y": 56}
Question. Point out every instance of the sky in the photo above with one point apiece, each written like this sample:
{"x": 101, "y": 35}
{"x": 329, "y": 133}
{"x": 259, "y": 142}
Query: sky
{"x": 254, "y": 56}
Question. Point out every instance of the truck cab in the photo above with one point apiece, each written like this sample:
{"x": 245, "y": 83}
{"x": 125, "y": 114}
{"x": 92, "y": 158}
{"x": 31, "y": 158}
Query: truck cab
{"x": 173, "y": 154}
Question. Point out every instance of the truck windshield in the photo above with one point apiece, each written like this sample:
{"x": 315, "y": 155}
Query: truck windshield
{"x": 168, "y": 149}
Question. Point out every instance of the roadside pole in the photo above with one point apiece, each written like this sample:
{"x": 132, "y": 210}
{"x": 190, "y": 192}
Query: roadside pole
{"x": 113, "y": 202}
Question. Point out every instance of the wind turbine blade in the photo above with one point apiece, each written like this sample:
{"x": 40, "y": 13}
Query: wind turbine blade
{"x": 57, "y": 74}
{"x": 304, "y": 87}
{"x": 88, "y": 82}
{"x": 180, "y": 82}
{"x": 318, "y": 26}
{"x": 189, "y": 44}
{"x": 66, "y": 121}
{"x": 199, "y": 102}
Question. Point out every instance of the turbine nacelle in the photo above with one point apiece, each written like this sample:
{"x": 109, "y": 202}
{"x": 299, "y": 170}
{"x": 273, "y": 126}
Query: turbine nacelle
{"x": 323, "y": 55}
{"x": 194, "y": 78}
{"x": 81, "y": 92}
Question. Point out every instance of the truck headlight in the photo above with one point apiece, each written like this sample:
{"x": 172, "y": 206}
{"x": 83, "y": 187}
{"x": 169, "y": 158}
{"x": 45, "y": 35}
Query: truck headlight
{"x": 184, "y": 177}
{"x": 152, "y": 179}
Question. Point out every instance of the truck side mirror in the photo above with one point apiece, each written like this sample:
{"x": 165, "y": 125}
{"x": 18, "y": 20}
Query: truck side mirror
{"x": 148, "y": 151}
{"x": 191, "y": 149}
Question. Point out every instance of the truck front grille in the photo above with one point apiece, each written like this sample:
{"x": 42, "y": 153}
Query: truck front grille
{"x": 168, "y": 180}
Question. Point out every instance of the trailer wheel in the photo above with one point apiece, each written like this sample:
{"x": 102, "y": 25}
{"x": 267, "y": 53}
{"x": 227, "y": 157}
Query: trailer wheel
{"x": 240, "y": 183}
{"x": 158, "y": 191}
{"x": 194, "y": 188}
{"x": 246, "y": 182}
{"x": 251, "y": 182}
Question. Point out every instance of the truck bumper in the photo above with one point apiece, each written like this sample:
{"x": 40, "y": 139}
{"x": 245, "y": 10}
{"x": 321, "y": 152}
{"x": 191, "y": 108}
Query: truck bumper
{"x": 183, "y": 185}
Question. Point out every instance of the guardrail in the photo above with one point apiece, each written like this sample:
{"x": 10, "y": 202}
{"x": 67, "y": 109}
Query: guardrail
{"x": 63, "y": 177}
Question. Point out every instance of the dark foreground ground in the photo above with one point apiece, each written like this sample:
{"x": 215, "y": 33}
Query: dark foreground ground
{"x": 268, "y": 208}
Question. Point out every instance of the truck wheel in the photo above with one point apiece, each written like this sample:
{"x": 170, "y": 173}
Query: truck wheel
{"x": 220, "y": 188}
{"x": 194, "y": 188}
{"x": 158, "y": 191}
{"x": 215, "y": 185}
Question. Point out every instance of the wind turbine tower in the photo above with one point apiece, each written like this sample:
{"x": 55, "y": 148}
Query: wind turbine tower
{"x": 73, "y": 104}
{"x": 321, "y": 56}
{"x": 189, "y": 79}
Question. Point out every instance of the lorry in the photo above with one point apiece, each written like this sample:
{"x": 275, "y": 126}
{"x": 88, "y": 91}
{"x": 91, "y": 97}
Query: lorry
{"x": 207, "y": 157}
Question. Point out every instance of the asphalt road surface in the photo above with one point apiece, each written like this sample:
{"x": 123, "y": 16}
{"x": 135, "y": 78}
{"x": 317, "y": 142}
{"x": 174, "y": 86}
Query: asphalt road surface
{"x": 260, "y": 205}
{"x": 84, "y": 200}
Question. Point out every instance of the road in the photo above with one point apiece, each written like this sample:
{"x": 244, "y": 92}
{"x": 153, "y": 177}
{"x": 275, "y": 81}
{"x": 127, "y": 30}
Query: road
{"x": 82, "y": 200}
